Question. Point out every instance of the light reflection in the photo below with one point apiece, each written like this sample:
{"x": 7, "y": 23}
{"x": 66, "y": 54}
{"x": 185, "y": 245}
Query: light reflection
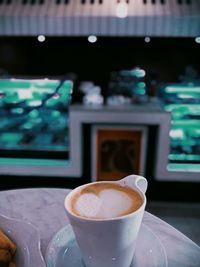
{"x": 41, "y": 38}
{"x": 147, "y": 39}
{"x": 197, "y": 39}
{"x": 92, "y": 39}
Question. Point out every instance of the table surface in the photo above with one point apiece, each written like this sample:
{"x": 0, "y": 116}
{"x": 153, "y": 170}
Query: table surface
{"x": 44, "y": 208}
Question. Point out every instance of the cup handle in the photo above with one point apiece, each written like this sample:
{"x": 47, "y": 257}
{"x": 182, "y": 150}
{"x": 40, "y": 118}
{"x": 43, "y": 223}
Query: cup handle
{"x": 135, "y": 181}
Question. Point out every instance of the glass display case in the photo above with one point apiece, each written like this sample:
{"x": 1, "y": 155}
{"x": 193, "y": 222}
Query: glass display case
{"x": 34, "y": 128}
{"x": 183, "y": 101}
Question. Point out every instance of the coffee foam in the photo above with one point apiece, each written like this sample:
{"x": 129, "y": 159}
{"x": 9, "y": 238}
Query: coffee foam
{"x": 105, "y": 200}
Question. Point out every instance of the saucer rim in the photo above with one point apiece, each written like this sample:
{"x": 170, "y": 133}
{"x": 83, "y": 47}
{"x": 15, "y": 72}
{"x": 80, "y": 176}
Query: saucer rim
{"x": 64, "y": 228}
{"x": 13, "y": 227}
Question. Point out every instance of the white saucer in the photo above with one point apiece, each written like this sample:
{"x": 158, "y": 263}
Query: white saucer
{"x": 63, "y": 250}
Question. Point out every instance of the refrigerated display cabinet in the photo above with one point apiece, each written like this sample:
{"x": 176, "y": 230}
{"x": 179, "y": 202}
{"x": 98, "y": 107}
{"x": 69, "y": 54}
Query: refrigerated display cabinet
{"x": 34, "y": 126}
{"x": 183, "y": 101}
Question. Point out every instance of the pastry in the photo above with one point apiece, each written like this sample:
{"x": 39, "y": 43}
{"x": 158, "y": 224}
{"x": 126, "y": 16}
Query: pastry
{"x": 7, "y": 250}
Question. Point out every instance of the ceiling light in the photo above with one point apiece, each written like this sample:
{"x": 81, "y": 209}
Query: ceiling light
{"x": 197, "y": 39}
{"x": 122, "y": 10}
{"x": 147, "y": 39}
{"x": 92, "y": 38}
{"x": 41, "y": 38}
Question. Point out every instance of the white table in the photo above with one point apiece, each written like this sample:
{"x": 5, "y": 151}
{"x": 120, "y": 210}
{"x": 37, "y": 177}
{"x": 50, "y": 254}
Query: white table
{"x": 43, "y": 207}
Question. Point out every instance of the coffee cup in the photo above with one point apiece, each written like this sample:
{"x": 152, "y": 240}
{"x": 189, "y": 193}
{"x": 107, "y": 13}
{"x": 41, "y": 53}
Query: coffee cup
{"x": 106, "y": 217}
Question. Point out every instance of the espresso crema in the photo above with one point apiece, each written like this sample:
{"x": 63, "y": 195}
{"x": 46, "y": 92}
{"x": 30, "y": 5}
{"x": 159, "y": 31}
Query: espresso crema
{"x": 105, "y": 200}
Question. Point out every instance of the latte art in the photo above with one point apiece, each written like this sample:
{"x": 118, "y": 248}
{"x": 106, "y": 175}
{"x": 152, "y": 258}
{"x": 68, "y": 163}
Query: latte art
{"x": 105, "y": 200}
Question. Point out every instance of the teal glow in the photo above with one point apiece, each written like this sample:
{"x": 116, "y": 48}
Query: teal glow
{"x": 180, "y": 167}
{"x": 141, "y": 85}
{"x": 10, "y": 137}
{"x": 182, "y": 89}
{"x": 33, "y": 162}
{"x": 188, "y": 142}
{"x": 27, "y": 126}
{"x": 172, "y": 107}
{"x": 37, "y": 120}
{"x": 17, "y": 111}
{"x": 25, "y": 83}
{"x": 52, "y": 102}
{"x": 194, "y": 132}
{"x": 177, "y": 111}
{"x": 27, "y": 121}
{"x": 11, "y": 97}
{"x": 55, "y": 114}
{"x": 181, "y": 110}
{"x": 185, "y": 157}
{"x": 28, "y": 87}
{"x": 186, "y": 96}
{"x": 139, "y": 91}
{"x": 34, "y": 114}
{"x": 38, "y": 95}
{"x": 185, "y": 124}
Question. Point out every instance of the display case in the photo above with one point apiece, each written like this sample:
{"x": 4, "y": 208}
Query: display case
{"x": 34, "y": 128}
{"x": 118, "y": 126}
{"x": 183, "y": 101}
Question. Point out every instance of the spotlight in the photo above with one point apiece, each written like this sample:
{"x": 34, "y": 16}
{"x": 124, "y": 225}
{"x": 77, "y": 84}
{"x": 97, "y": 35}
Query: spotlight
{"x": 147, "y": 39}
{"x": 122, "y": 10}
{"x": 92, "y": 39}
{"x": 41, "y": 38}
{"x": 197, "y": 39}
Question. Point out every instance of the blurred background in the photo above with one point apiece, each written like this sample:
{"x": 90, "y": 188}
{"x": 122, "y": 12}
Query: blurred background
{"x": 95, "y": 90}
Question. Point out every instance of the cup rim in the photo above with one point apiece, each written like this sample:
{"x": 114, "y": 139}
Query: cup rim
{"x": 102, "y": 219}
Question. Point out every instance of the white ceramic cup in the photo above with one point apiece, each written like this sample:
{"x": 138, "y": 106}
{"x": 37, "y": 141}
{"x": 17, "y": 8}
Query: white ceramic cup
{"x": 109, "y": 242}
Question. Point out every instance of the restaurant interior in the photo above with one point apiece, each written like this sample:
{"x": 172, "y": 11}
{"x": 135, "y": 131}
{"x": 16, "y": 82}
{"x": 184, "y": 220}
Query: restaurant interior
{"x": 98, "y": 90}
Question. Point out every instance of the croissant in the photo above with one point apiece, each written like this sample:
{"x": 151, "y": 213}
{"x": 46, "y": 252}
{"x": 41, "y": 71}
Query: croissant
{"x": 5, "y": 257}
{"x": 7, "y": 250}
